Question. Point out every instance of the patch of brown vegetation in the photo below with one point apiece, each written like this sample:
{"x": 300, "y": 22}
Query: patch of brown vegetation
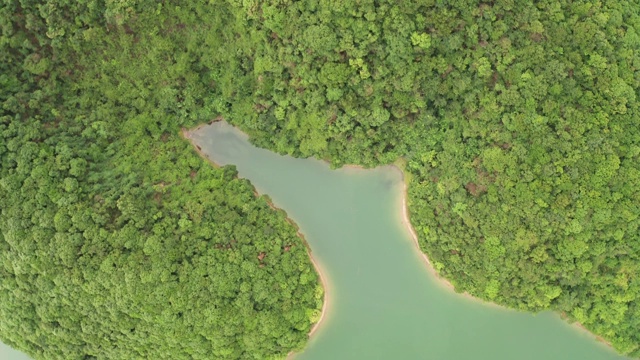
{"x": 218, "y": 118}
{"x": 368, "y": 90}
{"x": 128, "y": 30}
{"x": 484, "y": 178}
{"x": 536, "y": 37}
{"x": 494, "y": 79}
{"x": 484, "y": 7}
{"x": 226, "y": 246}
{"x": 51, "y": 124}
{"x": 474, "y": 189}
{"x": 447, "y": 72}
{"x": 332, "y": 118}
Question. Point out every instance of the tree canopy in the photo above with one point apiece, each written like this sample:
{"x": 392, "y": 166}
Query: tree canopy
{"x": 517, "y": 121}
{"x": 117, "y": 241}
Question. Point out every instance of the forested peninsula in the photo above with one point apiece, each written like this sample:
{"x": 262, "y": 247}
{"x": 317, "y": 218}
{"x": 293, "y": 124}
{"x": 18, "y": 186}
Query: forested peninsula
{"x": 518, "y": 123}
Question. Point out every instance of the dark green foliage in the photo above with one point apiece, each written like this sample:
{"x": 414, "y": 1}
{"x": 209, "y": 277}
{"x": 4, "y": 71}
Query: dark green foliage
{"x": 116, "y": 240}
{"x": 518, "y": 122}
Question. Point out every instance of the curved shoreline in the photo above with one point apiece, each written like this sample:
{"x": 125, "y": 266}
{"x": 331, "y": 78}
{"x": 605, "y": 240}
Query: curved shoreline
{"x": 414, "y": 236}
{"x": 405, "y": 220}
{"x": 316, "y": 264}
{"x": 325, "y": 296}
{"x": 186, "y": 134}
{"x": 447, "y": 284}
{"x": 325, "y": 302}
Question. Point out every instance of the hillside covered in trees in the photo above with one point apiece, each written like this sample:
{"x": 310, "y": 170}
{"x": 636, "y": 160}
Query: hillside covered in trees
{"x": 117, "y": 241}
{"x": 518, "y": 123}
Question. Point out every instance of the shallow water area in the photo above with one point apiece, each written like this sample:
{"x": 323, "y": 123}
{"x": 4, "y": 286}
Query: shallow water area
{"x": 8, "y": 353}
{"x": 384, "y": 303}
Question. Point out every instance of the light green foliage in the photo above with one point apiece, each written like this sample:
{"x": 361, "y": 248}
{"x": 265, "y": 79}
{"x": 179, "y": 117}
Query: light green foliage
{"x": 518, "y": 122}
{"x": 421, "y": 40}
{"x": 116, "y": 240}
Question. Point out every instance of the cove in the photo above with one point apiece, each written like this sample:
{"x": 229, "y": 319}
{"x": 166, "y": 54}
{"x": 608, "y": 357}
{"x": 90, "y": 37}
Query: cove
{"x": 383, "y": 303}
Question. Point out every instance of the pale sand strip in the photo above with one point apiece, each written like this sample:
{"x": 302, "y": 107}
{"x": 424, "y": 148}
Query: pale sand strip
{"x": 325, "y": 286}
{"x": 405, "y": 219}
{"x": 414, "y": 237}
{"x": 316, "y": 264}
{"x": 446, "y": 283}
{"x": 186, "y": 134}
{"x": 325, "y": 300}
{"x": 581, "y": 328}
{"x": 407, "y": 225}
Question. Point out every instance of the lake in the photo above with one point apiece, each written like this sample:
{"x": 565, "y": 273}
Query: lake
{"x": 383, "y": 301}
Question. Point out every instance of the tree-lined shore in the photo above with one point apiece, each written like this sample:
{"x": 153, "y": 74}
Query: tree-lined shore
{"x": 518, "y": 122}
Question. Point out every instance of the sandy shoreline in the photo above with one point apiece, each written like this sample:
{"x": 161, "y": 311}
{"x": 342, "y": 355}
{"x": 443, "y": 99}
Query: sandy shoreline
{"x": 582, "y": 328}
{"x": 325, "y": 300}
{"x": 314, "y": 261}
{"x": 405, "y": 220}
{"x": 414, "y": 237}
{"x": 404, "y": 212}
{"x": 186, "y": 134}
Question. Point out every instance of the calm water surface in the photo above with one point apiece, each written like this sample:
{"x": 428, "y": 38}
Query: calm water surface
{"x": 384, "y": 304}
{"x": 7, "y": 353}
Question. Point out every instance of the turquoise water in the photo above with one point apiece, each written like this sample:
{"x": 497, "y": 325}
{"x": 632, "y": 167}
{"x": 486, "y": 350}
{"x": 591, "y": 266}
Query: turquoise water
{"x": 384, "y": 303}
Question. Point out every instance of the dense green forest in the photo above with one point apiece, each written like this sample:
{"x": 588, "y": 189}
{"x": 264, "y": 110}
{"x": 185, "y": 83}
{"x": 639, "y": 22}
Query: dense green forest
{"x": 517, "y": 121}
{"x": 117, "y": 240}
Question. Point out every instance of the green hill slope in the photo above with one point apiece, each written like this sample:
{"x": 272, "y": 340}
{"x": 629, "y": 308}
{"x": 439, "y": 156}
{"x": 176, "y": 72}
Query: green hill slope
{"x": 518, "y": 123}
